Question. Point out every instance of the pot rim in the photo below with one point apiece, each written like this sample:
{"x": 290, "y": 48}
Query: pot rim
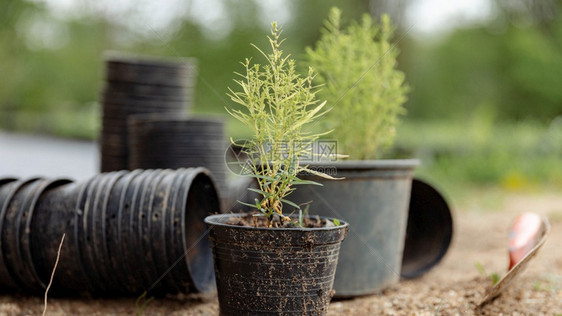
{"x": 113, "y": 56}
{"x": 214, "y": 220}
{"x": 368, "y": 164}
{"x": 163, "y": 118}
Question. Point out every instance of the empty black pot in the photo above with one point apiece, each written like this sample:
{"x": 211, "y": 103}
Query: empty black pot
{"x": 274, "y": 271}
{"x": 8, "y": 187}
{"x": 19, "y": 200}
{"x": 429, "y": 231}
{"x": 126, "y": 233}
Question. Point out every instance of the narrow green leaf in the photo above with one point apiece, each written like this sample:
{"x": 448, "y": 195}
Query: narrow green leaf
{"x": 248, "y": 204}
{"x": 266, "y": 194}
{"x": 290, "y": 203}
{"x": 322, "y": 175}
{"x": 301, "y": 182}
{"x": 259, "y": 176}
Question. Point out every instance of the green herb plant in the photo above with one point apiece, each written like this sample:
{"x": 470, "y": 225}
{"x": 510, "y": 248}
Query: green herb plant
{"x": 276, "y": 104}
{"x": 357, "y": 67}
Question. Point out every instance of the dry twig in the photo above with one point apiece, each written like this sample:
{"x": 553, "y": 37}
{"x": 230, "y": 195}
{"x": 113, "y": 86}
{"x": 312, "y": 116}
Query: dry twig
{"x": 53, "y": 274}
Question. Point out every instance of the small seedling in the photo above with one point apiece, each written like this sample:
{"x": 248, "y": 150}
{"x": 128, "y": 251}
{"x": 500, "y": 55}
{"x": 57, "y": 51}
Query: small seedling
{"x": 494, "y": 277}
{"x": 142, "y": 302}
{"x": 302, "y": 214}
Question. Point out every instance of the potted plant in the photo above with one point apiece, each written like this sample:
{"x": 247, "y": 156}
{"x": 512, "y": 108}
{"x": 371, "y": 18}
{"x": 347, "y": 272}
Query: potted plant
{"x": 274, "y": 262}
{"x": 357, "y": 66}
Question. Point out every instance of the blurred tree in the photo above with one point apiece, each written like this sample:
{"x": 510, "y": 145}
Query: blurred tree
{"x": 10, "y": 65}
{"x": 512, "y": 69}
{"x": 219, "y": 58}
{"x": 55, "y": 66}
{"x": 52, "y": 64}
{"x": 51, "y": 68}
{"x": 526, "y": 12}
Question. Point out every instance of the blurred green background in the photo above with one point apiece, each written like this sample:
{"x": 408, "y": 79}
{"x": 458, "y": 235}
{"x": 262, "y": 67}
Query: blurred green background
{"x": 486, "y": 101}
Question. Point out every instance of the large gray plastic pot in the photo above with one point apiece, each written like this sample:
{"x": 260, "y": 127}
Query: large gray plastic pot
{"x": 373, "y": 198}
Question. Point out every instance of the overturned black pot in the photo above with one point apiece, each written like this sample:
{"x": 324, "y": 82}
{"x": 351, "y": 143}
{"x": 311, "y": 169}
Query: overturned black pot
{"x": 19, "y": 200}
{"x": 126, "y": 233}
{"x": 274, "y": 271}
{"x": 429, "y": 231}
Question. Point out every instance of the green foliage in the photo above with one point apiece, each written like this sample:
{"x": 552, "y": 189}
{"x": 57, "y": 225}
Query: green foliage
{"x": 52, "y": 83}
{"x": 480, "y": 151}
{"x": 276, "y": 105}
{"x": 494, "y": 277}
{"x": 357, "y": 67}
{"x": 478, "y": 265}
{"x": 142, "y": 302}
{"x": 63, "y": 79}
{"x": 510, "y": 69}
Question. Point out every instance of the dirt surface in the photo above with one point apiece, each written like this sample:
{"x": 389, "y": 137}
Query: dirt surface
{"x": 256, "y": 219}
{"x": 454, "y": 287}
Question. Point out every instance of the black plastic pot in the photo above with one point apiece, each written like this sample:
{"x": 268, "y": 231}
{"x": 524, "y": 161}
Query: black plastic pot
{"x": 238, "y": 191}
{"x": 140, "y": 85}
{"x": 175, "y": 72}
{"x": 373, "y": 198}
{"x": 429, "y": 231}
{"x": 126, "y": 232}
{"x": 8, "y": 187}
{"x": 19, "y": 200}
{"x": 123, "y": 90}
{"x": 164, "y": 141}
{"x": 261, "y": 271}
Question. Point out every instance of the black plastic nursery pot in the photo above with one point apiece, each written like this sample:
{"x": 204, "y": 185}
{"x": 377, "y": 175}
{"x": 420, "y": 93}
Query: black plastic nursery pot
{"x": 126, "y": 233}
{"x": 274, "y": 271}
{"x": 429, "y": 231}
{"x": 140, "y": 85}
{"x": 18, "y": 202}
{"x": 158, "y": 71}
{"x": 373, "y": 198}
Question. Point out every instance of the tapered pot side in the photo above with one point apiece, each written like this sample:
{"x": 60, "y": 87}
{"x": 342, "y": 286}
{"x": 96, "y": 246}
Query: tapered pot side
{"x": 373, "y": 198}
{"x": 429, "y": 231}
{"x": 263, "y": 271}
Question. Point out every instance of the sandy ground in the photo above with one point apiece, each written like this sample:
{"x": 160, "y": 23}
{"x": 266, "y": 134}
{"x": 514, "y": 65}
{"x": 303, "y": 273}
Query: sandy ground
{"x": 452, "y": 288}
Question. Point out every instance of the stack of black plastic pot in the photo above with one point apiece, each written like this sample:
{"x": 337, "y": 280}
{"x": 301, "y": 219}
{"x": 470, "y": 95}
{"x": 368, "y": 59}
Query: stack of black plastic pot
{"x": 140, "y": 85}
{"x": 166, "y": 141}
{"x": 126, "y": 233}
